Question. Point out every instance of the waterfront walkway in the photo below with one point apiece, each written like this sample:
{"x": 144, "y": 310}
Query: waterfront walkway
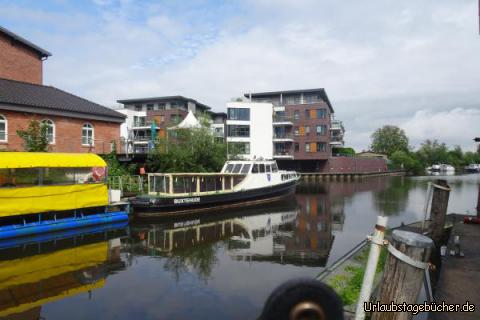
{"x": 460, "y": 276}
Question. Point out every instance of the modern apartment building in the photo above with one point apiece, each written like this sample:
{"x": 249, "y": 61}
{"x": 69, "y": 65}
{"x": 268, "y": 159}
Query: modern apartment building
{"x": 249, "y": 130}
{"x": 147, "y": 115}
{"x": 301, "y": 127}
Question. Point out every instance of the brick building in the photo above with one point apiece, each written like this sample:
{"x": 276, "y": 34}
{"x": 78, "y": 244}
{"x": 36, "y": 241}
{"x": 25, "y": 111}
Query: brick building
{"x": 74, "y": 124}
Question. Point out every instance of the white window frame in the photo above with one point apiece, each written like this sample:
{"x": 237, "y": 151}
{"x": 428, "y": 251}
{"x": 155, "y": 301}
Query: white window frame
{"x": 4, "y": 120}
{"x": 89, "y": 127}
{"x": 51, "y": 123}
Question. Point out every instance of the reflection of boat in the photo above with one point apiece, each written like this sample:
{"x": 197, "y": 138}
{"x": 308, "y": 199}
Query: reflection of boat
{"x": 33, "y": 273}
{"x": 45, "y": 192}
{"x": 473, "y": 168}
{"x": 238, "y": 184}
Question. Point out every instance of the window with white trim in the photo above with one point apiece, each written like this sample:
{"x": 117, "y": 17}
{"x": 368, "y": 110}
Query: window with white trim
{"x": 50, "y": 130}
{"x": 88, "y": 135}
{"x": 3, "y": 129}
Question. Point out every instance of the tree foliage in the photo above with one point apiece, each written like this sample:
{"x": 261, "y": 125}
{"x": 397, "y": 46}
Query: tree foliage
{"x": 35, "y": 137}
{"x": 407, "y": 161}
{"x": 187, "y": 150}
{"x": 389, "y": 139}
{"x": 344, "y": 151}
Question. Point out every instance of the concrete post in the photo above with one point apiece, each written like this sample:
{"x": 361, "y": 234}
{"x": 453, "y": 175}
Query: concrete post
{"x": 407, "y": 259}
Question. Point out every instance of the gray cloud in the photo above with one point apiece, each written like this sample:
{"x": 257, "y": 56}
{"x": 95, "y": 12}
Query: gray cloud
{"x": 381, "y": 61}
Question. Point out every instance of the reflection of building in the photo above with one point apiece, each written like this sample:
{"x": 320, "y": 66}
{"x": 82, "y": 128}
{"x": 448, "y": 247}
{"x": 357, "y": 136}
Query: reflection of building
{"x": 29, "y": 279}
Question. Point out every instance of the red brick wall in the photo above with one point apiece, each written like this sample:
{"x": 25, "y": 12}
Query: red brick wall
{"x": 352, "y": 165}
{"x": 312, "y": 137}
{"x": 68, "y": 133}
{"x": 18, "y": 62}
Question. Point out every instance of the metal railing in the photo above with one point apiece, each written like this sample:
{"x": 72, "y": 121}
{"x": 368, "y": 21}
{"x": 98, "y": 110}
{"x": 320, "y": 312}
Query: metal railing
{"x": 131, "y": 184}
{"x": 282, "y": 119}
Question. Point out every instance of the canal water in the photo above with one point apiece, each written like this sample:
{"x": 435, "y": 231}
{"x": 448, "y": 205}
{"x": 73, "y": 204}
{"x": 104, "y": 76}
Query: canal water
{"x": 222, "y": 265}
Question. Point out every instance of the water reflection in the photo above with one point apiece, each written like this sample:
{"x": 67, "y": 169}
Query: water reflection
{"x": 220, "y": 265}
{"x": 33, "y": 273}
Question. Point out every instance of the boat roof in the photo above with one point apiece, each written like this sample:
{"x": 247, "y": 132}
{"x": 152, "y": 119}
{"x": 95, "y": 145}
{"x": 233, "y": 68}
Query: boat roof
{"x": 17, "y": 160}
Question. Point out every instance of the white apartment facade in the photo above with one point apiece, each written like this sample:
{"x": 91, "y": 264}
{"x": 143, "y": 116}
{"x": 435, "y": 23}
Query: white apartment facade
{"x": 250, "y": 129}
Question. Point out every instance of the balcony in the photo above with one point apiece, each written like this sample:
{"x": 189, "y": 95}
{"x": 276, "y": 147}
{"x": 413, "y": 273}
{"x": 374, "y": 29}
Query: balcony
{"x": 282, "y": 154}
{"x": 282, "y": 121}
{"x": 282, "y": 137}
{"x": 337, "y": 126}
{"x": 337, "y": 141}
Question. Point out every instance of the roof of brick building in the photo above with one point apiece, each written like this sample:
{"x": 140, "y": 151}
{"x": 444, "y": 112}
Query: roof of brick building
{"x": 16, "y": 37}
{"x": 34, "y": 98}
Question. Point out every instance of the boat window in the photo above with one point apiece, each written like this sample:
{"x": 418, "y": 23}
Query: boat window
{"x": 262, "y": 168}
{"x": 274, "y": 167}
{"x": 255, "y": 168}
{"x": 268, "y": 168}
{"x": 229, "y": 168}
{"x": 246, "y": 168}
{"x": 237, "y": 168}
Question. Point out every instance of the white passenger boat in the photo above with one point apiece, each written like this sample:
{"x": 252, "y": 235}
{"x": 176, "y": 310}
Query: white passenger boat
{"x": 473, "y": 168}
{"x": 240, "y": 182}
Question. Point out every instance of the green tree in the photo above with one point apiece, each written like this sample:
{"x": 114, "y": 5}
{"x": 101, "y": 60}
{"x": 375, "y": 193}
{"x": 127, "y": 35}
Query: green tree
{"x": 187, "y": 150}
{"x": 431, "y": 152}
{"x": 389, "y": 139}
{"x": 114, "y": 166}
{"x": 405, "y": 160}
{"x": 35, "y": 137}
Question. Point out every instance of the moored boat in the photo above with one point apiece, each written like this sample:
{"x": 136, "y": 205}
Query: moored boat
{"x": 45, "y": 192}
{"x": 240, "y": 182}
{"x": 473, "y": 168}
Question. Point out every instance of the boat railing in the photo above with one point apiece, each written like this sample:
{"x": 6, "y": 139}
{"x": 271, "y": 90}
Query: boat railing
{"x": 134, "y": 184}
{"x": 192, "y": 183}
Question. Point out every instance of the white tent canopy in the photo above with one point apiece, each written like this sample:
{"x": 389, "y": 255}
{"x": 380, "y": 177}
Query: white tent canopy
{"x": 190, "y": 121}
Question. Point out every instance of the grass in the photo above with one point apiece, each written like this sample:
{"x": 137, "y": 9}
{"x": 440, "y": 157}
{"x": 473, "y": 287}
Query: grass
{"x": 349, "y": 283}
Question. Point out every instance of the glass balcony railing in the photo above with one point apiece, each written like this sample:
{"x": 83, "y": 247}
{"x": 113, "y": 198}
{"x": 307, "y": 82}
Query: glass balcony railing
{"x": 282, "y": 119}
{"x": 283, "y": 136}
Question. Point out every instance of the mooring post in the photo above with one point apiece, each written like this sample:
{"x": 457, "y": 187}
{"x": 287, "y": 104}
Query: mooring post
{"x": 371, "y": 267}
{"x": 407, "y": 260}
{"x": 438, "y": 212}
{"x": 478, "y": 202}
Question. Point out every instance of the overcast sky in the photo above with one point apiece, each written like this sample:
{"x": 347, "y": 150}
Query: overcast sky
{"x": 415, "y": 64}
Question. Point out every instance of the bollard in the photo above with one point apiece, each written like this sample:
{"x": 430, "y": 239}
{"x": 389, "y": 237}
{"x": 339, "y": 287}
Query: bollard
{"x": 407, "y": 260}
{"x": 438, "y": 211}
{"x": 371, "y": 267}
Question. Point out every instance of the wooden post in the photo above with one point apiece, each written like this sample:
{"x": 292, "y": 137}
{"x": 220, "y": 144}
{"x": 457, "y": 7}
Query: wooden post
{"x": 478, "y": 202}
{"x": 407, "y": 259}
{"x": 438, "y": 212}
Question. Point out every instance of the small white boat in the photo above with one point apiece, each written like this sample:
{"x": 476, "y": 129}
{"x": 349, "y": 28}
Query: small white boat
{"x": 473, "y": 168}
{"x": 441, "y": 168}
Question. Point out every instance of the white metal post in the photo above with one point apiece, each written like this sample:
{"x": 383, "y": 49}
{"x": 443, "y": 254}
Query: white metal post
{"x": 371, "y": 267}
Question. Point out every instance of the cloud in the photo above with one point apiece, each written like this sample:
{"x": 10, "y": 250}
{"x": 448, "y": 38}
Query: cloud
{"x": 380, "y": 61}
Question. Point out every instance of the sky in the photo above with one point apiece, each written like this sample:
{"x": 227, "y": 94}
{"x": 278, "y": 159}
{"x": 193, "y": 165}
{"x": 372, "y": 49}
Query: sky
{"x": 410, "y": 63}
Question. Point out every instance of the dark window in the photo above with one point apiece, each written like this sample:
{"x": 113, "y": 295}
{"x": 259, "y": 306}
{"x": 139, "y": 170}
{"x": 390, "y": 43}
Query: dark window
{"x": 262, "y": 168}
{"x": 237, "y": 168}
{"x": 161, "y": 106}
{"x": 297, "y": 147}
{"x": 268, "y": 168}
{"x": 239, "y": 147}
{"x": 321, "y": 130}
{"x": 138, "y": 107}
{"x": 239, "y": 114}
{"x": 149, "y": 106}
{"x": 321, "y": 113}
{"x": 246, "y": 168}
{"x": 229, "y": 168}
{"x": 255, "y": 168}
{"x": 274, "y": 167}
{"x": 307, "y": 113}
{"x": 296, "y": 115}
{"x": 238, "y": 130}
{"x": 321, "y": 146}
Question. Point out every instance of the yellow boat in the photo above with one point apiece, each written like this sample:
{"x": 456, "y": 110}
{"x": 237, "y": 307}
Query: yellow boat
{"x": 44, "y": 192}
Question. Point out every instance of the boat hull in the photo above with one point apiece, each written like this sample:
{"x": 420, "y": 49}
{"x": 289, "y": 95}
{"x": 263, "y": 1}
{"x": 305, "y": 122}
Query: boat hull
{"x": 33, "y": 228}
{"x": 185, "y": 205}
